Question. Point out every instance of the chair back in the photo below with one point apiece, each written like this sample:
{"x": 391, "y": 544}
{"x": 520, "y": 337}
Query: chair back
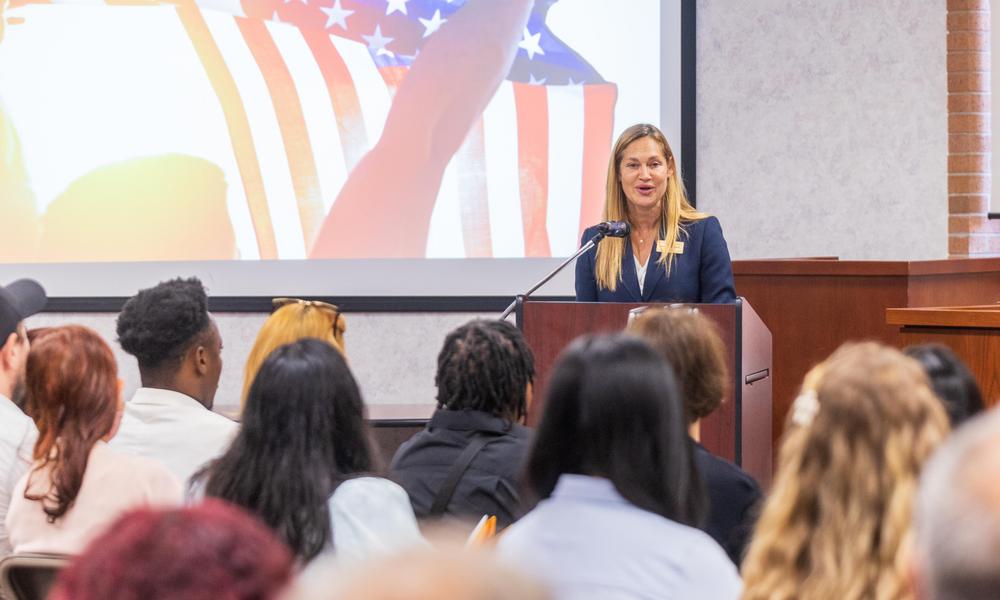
{"x": 30, "y": 576}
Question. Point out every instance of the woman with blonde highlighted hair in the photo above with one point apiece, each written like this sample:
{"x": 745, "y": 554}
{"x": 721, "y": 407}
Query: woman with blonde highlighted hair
{"x": 837, "y": 523}
{"x": 292, "y": 320}
{"x": 673, "y": 252}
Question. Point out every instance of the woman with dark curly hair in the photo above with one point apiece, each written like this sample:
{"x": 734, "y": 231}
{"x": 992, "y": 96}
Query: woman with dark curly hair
{"x": 77, "y": 485}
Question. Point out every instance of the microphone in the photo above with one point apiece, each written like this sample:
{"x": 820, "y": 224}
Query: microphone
{"x": 614, "y": 228}
{"x": 606, "y": 229}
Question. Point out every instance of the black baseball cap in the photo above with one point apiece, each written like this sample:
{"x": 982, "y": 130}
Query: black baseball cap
{"x": 18, "y": 301}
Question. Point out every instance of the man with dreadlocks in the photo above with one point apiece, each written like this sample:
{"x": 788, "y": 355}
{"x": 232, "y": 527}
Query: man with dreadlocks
{"x": 466, "y": 463}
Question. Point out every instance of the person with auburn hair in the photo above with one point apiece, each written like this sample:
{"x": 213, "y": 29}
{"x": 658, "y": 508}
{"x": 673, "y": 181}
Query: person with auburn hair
{"x": 674, "y": 253}
{"x": 619, "y": 499}
{"x": 302, "y": 461}
{"x": 690, "y": 343}
{"x": 837, "y": 523}
{"x": 209, "y": 551}
{"x": 292, "y": 320}
{"x": 77, "y": 485}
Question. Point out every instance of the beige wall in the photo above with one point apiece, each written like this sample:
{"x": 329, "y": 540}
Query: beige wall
{"x": 393, "y": 356}
{"x": 822, "y": 126}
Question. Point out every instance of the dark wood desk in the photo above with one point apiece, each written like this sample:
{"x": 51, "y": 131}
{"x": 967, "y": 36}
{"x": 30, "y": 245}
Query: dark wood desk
{"x": 393, "y": 424}
{"x": 812, "y": 306}
{"x": 972, "y": 332}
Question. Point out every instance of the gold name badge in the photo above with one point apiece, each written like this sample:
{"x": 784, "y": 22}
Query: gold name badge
{"x": 661, "y": 247}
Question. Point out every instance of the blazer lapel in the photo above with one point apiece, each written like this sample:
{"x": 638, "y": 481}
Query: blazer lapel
{"x": 629, "y": 278}
{"x": 654, "y": 273}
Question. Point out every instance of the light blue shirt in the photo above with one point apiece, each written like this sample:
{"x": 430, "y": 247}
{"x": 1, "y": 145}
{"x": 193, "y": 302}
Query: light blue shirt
{"x": 588, "y": 542}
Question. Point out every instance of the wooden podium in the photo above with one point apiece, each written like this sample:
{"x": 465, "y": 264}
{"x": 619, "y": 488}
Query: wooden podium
{"x": 739, "y": 431}
{"x": 972, "y": 332}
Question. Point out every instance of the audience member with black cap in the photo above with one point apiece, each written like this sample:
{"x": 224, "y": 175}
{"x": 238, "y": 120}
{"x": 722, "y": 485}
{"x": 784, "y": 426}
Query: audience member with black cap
{"x": 467, "y": 462}
{"x": 18, "y": 301}
{"x": 177, "y": 344}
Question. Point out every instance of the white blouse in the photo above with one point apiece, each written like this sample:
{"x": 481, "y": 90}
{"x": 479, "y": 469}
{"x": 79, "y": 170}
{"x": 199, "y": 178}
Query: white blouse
{"x": 640, "y": 271}
{"x": 371, "y": 516}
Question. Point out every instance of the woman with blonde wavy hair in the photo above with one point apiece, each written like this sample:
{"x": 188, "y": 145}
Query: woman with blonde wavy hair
{"x": 837, "y": 523}
{"x": 292, "y": 320}
{"x": 673, "y": 253}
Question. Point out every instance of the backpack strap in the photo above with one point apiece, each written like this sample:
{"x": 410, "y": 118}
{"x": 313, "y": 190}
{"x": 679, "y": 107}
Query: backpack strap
{"x": 458, "y": 469}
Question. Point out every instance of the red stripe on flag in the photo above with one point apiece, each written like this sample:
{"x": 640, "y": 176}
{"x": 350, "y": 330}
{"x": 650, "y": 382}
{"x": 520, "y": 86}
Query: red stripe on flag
{"x": 531, "y": 102}
{"x": 473, "y": 193}
{"x": 343, "y": 96}
{"x": 292, "y": 123}
{"x": 599, "y": 116}
{"x": 236, "y": 121}
{"x": 393, "y": 77}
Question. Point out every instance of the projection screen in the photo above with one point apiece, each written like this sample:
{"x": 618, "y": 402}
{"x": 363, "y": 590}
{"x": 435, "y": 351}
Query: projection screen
{"x": 319, "y": 147}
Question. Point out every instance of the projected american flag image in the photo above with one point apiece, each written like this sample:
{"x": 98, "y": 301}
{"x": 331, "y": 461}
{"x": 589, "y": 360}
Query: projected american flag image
{"x": 293, "y": 129}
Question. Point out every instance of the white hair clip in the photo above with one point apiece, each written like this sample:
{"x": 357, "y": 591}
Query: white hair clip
{"x": 804, "y": 408}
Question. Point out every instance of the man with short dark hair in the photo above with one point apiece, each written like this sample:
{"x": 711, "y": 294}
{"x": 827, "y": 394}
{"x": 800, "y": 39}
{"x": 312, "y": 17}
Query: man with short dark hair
{"x": 18, "y": 434}
{"x": 169, "y": 331}
{"x": 466, "y": 463}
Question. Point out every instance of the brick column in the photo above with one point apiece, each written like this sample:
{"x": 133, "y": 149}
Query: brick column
{"x": 970, "y": 233}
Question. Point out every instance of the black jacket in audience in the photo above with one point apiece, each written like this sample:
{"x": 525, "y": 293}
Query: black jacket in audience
{"x": 488, "y": 487}
{"x": 734, "y": 499}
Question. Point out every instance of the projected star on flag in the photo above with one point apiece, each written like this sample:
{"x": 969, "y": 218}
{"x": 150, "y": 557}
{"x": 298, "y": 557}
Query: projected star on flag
{"x": 530, "y": 44}
{"x": 394, "y": 5}
{"x": 336, "y": 14}
{"x": 433, "y": 24}
{"x": 377, "y": 42}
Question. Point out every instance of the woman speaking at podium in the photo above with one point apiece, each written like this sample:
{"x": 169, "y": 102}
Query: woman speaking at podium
{"x": 673, "y": 254}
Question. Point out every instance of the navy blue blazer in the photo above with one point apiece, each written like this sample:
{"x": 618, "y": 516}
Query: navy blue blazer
{"x": 702, "y": 273}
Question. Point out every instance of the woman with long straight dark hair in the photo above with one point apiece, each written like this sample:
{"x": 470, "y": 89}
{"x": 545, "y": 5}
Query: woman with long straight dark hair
{"x": 301, "y": 458}
{"x": 612, "y": 467}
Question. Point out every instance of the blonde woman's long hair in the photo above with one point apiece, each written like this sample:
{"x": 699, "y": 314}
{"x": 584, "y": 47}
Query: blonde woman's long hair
{"x": 837, "y": 523}
{"x": 292, "y": 321}
{"x": 675, "y": 210}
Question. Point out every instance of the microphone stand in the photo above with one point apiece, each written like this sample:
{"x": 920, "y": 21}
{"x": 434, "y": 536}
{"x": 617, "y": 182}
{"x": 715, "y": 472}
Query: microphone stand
{"x": 593, "y": 242}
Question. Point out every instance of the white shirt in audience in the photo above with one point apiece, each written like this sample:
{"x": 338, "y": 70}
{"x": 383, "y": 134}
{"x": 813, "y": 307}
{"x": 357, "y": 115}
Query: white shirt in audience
{"x": 174, "y": 429}
{"x": 112, "y": 484}
{"x": 588, "y": 543}
{"x": 371, "y": 516}
{"x": 17, "y": 442}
